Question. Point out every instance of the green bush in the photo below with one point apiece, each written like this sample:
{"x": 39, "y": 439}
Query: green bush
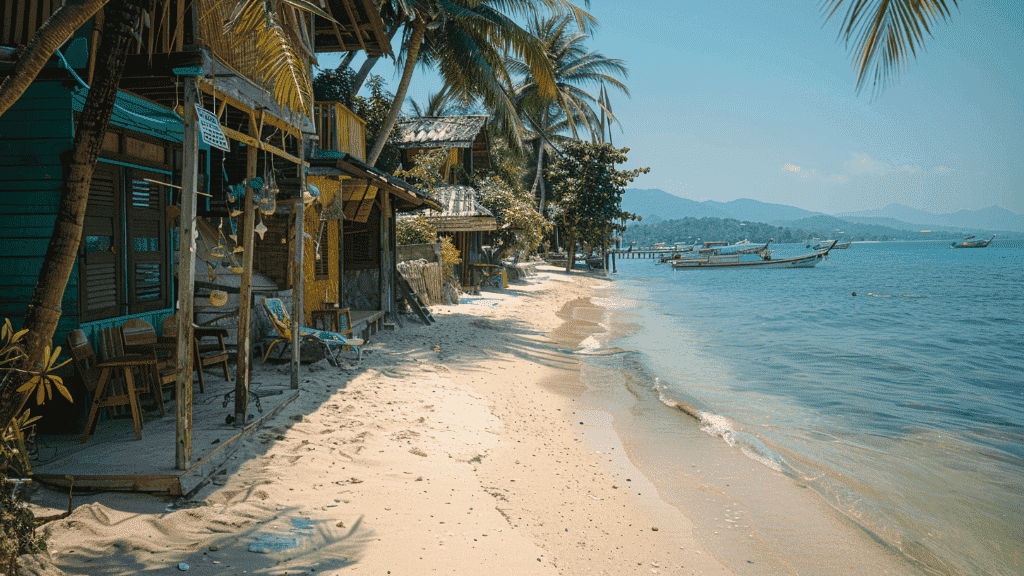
{"x": 415, "y": 230}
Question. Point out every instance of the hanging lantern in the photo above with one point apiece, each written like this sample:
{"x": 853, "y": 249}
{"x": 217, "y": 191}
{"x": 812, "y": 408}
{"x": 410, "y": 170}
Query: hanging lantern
{"x": 260, "y": 229}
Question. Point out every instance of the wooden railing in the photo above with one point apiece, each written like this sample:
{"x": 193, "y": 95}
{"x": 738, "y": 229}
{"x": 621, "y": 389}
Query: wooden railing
{"x": 340, "y": 129}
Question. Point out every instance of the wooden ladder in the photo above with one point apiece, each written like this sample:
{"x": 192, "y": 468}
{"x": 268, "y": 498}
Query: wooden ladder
{"x": 413, "y": 300}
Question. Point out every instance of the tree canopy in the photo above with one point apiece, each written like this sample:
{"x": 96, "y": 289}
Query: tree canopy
{"x": 587, "y": 190}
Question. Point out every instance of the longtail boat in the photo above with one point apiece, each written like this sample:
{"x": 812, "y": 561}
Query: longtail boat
{"x": 840, "y": 246}
{"x": 736, "y": 260}
{"x": 968, "y": 244}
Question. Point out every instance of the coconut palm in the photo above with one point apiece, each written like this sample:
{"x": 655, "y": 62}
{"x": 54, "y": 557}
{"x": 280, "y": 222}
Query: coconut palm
{"x": 444, "y": 102}
{"x": 466, "y": 41}
{"x": 883, "y": 34}
{"x": 574, "y": 68}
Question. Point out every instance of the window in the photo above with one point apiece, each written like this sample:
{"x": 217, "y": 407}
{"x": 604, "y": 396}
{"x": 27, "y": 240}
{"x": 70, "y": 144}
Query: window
{"x": 124, "y": 260}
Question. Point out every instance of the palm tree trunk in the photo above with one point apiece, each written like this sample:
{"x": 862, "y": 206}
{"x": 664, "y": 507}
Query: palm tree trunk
{"x": 54, "y": 32}
{"x": 44, "y": 307}
{"x": 419, "y": 26}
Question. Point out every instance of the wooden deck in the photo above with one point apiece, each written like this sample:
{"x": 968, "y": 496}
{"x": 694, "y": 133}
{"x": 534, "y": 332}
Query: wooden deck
{"x": 366, "y": 323}
{"x": 112, "y": 459}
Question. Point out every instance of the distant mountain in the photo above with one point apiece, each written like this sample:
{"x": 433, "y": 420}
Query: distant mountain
{"x": 755, "y": 211}
{"x": 830, "y": 227}
{"x": 991, "y": 218}
{"x": 900, "y": 224}
{"x": 655, "y": 205}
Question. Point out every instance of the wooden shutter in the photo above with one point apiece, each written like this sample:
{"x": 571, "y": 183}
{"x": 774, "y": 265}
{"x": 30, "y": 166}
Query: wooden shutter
{"x": 147, "y": 242}
{"x": 100, "y": 286}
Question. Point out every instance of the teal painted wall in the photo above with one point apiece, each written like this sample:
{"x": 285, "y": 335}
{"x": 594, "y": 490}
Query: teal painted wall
{"x": 33, "y": 135}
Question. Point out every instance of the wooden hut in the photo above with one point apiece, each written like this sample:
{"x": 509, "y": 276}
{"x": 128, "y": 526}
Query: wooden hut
{"x": 181, "y": 66}
{"x": 461, "y": 216}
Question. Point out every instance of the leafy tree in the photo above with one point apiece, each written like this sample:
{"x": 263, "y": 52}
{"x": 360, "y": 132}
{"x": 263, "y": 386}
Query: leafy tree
{"x": 415, "y": 230}
{"x": 587, "y": 189}
{"x": 336, "y": 85}
{"x": 374, "y": 110}
{"x": 425, "y": 171}
{"x": 520, "y": 226}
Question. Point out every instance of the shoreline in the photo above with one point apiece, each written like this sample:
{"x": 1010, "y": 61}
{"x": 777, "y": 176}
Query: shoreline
{"x": 444, "y": 450}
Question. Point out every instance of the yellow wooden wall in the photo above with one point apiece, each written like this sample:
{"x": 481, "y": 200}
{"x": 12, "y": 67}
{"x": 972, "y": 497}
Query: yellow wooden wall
{"x": 316, "y": 292}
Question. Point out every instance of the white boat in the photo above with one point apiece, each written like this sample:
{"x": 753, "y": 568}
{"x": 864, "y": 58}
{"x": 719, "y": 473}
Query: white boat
{"x": 745, "y": 260}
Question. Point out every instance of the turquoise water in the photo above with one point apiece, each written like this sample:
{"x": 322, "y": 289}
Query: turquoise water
{"x": 902, "y": 406}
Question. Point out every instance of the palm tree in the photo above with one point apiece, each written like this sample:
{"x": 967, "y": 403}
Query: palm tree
{"x": 882, "y": 34}
{"x": 466, "y": 40}
{"x": 445, "y": 102}
{"x": 574, "y": 67}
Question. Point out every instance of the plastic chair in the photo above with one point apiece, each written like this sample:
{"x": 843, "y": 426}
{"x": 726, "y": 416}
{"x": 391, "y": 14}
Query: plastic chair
{"x": 332, "y": 341}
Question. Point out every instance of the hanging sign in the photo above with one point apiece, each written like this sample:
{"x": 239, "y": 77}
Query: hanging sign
{"x": 209, "y": 129}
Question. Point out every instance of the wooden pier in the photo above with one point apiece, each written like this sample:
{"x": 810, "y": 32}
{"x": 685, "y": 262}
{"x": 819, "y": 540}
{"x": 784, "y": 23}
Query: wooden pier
{"x": 643, "y": 253}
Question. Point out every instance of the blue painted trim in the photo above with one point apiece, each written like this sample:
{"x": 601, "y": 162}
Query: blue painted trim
{"x": 136, "y": 166}
{"x": 189, "y": 71}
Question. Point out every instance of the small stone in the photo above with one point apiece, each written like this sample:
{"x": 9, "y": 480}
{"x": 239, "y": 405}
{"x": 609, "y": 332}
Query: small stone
{"x": 213, "y": 548}
{"x": 654, "y": 528}
{"x": 182, "y": 566}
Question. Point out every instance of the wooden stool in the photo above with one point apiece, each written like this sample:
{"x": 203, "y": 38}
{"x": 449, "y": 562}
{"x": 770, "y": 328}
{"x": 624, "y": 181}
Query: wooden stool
{"x": 100, "y": 401}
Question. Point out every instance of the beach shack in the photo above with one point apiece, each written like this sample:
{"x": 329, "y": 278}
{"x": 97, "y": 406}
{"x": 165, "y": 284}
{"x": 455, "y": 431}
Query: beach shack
{"x": 461, "y": 216}
{"x": 197, "y": 149}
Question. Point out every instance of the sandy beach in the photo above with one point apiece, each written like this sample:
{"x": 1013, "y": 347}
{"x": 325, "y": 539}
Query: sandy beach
{"x": 453, "y": 448}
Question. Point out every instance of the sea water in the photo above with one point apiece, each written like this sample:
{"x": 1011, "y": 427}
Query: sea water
{"x": 889, "y": 380}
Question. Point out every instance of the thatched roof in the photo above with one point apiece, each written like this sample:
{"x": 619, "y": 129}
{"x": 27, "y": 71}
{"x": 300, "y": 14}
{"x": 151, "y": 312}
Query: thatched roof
{"x": 440, "y": 132}
{"x": 461, "y": 211}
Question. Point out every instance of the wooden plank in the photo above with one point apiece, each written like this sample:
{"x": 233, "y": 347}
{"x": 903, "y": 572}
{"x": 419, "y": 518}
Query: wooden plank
{"x": 19, "y": 22}
{"x": 250, "y": 141}
{"x": 186, "y": 276}
{"x": 156, "y": 483}
{"x": 6, "y": 27}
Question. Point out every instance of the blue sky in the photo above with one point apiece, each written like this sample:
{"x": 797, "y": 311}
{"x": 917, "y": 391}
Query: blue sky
{"x": 739, "y": 99}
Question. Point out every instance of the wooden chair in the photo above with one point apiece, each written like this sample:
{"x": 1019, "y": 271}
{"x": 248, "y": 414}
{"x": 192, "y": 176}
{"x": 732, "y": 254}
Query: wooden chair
{"x": 202, "y": 354}
{"x": 334, "y": 342}
{"x": 96, "y": 375}
{"x": 140, "y": 338}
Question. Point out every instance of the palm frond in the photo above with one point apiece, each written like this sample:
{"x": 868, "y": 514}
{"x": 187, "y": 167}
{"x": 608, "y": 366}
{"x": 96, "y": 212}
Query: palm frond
{"x": 883, "y": 34}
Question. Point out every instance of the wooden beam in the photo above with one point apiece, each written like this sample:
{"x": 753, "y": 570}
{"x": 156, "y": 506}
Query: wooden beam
{"x": 250, "y": 141}
{"x": 377, "y": 25}
{"x": 186, "y": 277}
{"x": 334, "y": 24}
{"x": 355, "y": 25}
{"x": 245, "y": 293}
{"x": 299, "y": 271}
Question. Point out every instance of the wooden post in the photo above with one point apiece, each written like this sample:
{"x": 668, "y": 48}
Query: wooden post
{"x": 186, "y": 278}
{"x": 299, "y": 271}
{"x": 387, "y": 265}
{"x": 245, "y": 294}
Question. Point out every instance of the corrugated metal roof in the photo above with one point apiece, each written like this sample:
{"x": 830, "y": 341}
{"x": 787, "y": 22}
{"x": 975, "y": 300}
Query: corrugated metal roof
{"x": 457, "y": 201}
{"x": 448, "y": 131}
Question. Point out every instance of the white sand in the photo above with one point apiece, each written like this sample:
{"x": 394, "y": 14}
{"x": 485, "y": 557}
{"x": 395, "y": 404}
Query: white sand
{"x": 448, "y": 449}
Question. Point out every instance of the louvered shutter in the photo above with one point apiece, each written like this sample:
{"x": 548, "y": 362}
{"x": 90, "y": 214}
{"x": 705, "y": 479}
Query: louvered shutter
{"x": 148, "y": 277}
{"x": 100, "y": 286}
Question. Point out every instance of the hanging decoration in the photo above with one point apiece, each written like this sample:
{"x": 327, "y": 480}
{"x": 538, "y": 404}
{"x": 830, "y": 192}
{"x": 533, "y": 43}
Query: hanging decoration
{"x": 218, "y": 298}
{"x": 335, "y": 210}
{"x": 260, "y": 229}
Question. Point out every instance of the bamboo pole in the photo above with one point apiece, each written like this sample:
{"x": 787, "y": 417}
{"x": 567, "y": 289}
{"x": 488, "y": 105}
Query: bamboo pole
{"x": 186, "y": 279}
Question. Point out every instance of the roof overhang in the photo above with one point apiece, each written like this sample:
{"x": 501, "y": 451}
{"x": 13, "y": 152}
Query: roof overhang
{"x": 357, "y": 26}
{"x": 410, "y": 197}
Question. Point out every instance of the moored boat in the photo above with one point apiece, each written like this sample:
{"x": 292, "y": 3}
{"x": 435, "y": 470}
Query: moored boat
{"x": 839, "y": 245}
{"x": 764, "y": 260}
{"x": 966, "y": 243}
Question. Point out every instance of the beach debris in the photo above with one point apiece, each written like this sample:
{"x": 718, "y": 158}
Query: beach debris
{"x": 655, "y": 529}
{"x": 182, "y": 566}
{"x": 213, "y": 548}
